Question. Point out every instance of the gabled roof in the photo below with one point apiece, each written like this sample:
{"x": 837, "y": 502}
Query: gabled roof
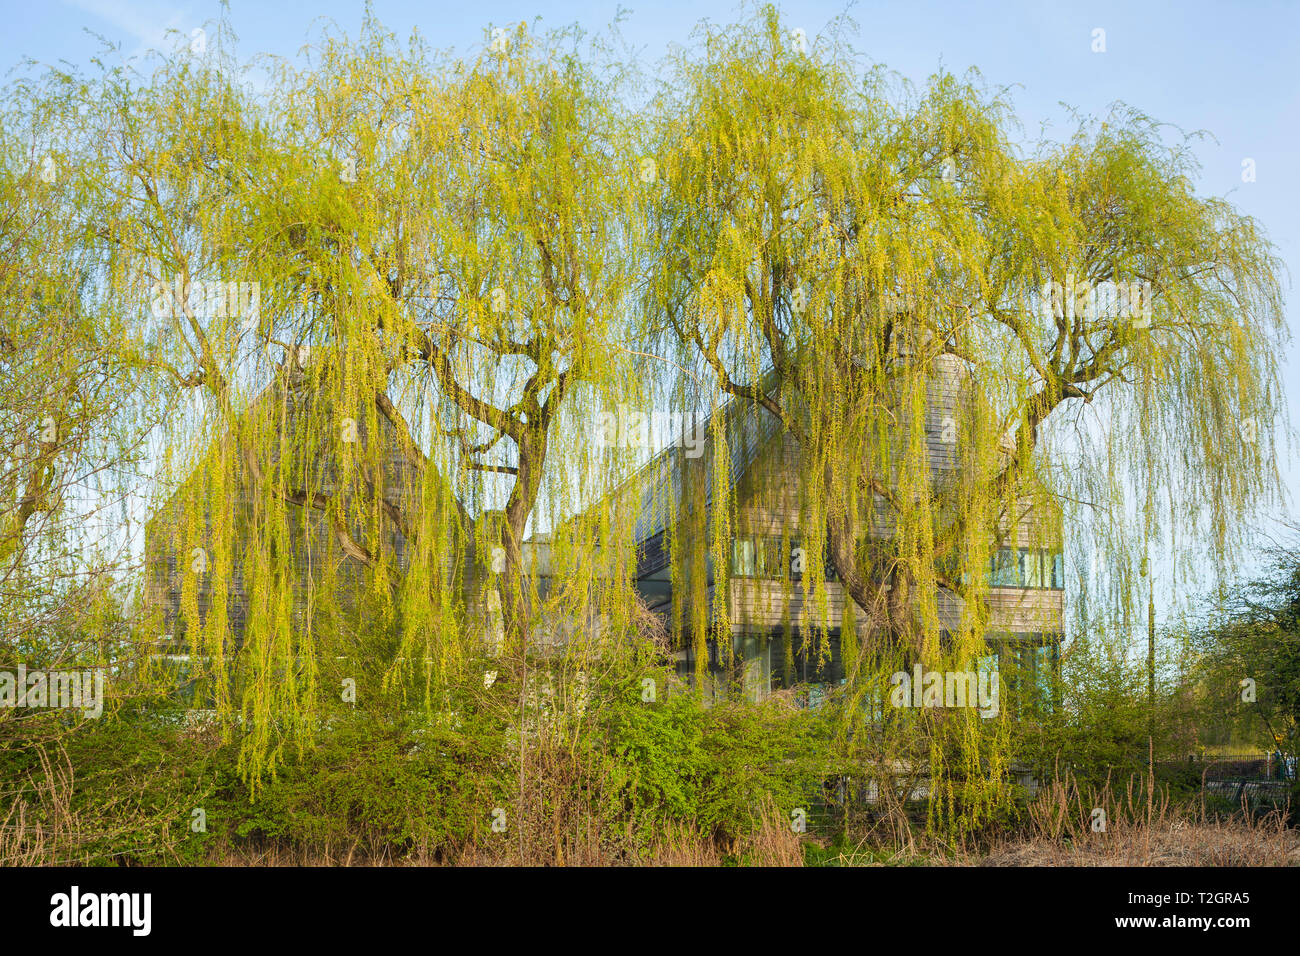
{"x": 747, "y": 428}
{"x": 297, "y": 398}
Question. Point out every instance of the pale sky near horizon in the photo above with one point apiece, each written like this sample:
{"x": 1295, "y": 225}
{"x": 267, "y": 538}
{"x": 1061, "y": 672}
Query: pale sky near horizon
{"x": 1199, "y": 66}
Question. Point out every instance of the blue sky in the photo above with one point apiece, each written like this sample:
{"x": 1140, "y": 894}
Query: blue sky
{"x": 1228, "y": 70}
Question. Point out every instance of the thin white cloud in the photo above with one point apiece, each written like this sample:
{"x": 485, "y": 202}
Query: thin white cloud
{"x": 145, "y": 22}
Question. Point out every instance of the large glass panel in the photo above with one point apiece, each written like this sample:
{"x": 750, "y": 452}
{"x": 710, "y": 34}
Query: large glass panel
{"x": 1031, "y": 568}
{"x": 1005, "y": 569}
{"x": 742, "y": 553}
{"x": 756, "y": 670}
{"x": 1045, "y": 660}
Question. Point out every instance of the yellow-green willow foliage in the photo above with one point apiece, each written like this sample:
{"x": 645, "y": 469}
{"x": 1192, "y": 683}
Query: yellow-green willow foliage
{"x": 409, "y": 283}
{"x": 964, "y": 341}
{"x": 386, "y": 296}
{"x": 69, "y": 431}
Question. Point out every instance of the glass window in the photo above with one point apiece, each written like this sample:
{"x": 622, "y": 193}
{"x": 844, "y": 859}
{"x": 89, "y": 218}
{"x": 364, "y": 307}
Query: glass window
{"x": 743, "y": 563}
{"x": 1005, "y": 569}
{"x": 1058, "y": 571}
{"x": 769, "y": 558}
{"x": 1031, "y": 568}
{"x": 755, "y": 662}
{"x": 1045, "y": 663}
{"x": 1027, "y": 568}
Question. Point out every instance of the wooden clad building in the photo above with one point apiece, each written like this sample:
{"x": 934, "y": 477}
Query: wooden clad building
{"x": 771, "y": 617}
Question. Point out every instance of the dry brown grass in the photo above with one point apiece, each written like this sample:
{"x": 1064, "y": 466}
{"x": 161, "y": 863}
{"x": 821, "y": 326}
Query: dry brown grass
{"x": 1171, "y": 842}
{"x": 1142, "y": 829}
{"x": 772, "y": 844}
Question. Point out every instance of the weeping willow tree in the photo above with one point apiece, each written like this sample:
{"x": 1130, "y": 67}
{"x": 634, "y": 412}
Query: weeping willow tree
{"x": 70, "y": 432}
{"x": 386, "y": 294}
{"x": 383, "y": 299}
{"x": 969, "y": 344}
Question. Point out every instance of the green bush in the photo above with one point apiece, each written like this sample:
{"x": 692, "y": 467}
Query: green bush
{"x": 677, "y": 762}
